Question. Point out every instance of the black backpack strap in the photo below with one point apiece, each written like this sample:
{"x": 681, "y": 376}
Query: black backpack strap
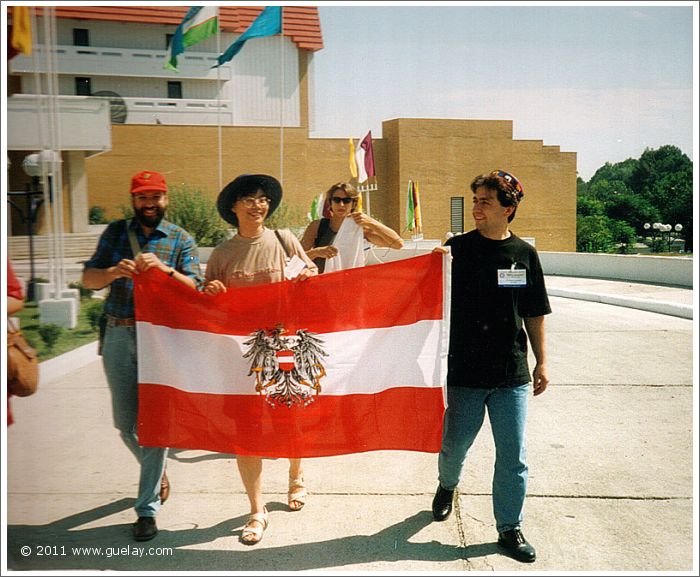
{"x": 135, "y": 248}
{"x": 284, "y": 246}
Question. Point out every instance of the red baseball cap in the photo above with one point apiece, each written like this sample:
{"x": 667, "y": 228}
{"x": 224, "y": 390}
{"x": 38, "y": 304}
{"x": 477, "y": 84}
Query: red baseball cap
{"x": 148, "y": 180}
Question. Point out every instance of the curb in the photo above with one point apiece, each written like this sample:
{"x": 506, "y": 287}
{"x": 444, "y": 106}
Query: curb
{"x": 66, "y": 363}
{"x": 662, "y": 307}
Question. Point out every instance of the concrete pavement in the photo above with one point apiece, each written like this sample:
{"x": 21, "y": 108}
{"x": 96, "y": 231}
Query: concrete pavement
{"x": 610, "y": 453}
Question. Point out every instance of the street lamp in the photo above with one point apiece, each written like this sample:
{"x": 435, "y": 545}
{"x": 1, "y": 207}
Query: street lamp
{"x": 654, "y": 229}
{"x": 678, "y": 228}
{"x": 34, "y": 198}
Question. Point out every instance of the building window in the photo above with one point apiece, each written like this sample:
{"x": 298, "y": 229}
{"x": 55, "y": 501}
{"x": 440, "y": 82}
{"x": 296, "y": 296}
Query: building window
{"x": 457, "y": 214}
{"x": 175, "y": 89}
{"x": 82, "y": 86}
{"x": 168, "y": 40}
{"x": 81, "y": 37}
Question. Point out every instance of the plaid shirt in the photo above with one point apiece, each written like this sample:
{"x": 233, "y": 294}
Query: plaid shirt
{"x": 170, "y": 243}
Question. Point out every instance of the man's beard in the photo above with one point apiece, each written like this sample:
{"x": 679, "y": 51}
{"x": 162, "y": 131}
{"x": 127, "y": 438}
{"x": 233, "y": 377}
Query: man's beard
{"x": 149, "y": 221}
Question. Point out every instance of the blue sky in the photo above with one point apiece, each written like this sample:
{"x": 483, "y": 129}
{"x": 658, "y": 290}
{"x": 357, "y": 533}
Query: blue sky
{"x": 603, "y": 81}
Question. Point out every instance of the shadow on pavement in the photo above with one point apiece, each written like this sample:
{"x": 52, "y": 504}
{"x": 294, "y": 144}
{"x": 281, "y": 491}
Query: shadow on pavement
{"x": 119, "y": 552}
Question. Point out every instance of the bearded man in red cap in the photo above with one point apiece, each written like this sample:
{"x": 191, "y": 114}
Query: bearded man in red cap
{"x": 127, "y": 248}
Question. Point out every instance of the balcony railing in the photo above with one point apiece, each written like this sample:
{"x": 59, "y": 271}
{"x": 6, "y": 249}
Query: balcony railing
{"x": 97, "y": 61}
{"x": 177, "y": 111}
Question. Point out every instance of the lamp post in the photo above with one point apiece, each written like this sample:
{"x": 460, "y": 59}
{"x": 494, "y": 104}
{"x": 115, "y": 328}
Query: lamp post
{"x": 647, "y": 226}
{"x": 654, "y": 229}
{"x": 34, "y": 198}
{"x": 667, "y": 228}
{"x": 678, "y": 228}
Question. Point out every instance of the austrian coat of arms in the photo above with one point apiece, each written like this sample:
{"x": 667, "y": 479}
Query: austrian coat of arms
{"x": 288, "y": 369}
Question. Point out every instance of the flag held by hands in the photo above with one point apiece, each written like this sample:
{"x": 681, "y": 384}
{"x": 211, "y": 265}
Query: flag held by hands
{"x": 268, "y": 23}
{"x": 210, "y": 376}
{"x": 199, "y": 23}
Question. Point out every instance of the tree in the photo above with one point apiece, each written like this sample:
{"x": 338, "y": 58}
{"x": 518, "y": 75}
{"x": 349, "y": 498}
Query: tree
{"x": 593, "y": 234}
{"x": 658, "y": 187}
{"x": 621, "y": 171}
{"x": 665, "y": 178}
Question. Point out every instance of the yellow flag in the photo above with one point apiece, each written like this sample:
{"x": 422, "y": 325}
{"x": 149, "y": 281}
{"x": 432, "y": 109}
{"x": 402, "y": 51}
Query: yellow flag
{"x": 21, "y": 30}
{"x": 416, "y": 201}
{"x": 353, "y": 163}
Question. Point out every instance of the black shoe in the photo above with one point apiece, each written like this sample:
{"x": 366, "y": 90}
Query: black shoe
{"x": 145, "y": 529}
{"x": 514, "y": 542}
{"x": 442, "y": 504}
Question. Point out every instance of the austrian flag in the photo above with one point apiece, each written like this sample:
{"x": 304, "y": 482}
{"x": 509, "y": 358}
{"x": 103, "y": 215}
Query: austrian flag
{"x": 345, "y": 362}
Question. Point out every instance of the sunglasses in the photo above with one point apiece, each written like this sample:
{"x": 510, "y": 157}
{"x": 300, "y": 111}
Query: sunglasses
{"x": 339, "y": 199}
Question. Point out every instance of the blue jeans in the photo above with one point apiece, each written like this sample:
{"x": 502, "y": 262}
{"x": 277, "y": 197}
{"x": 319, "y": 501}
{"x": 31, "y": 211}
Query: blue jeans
{"x": 507, "y": 414}
{"x": 119, "y": 360}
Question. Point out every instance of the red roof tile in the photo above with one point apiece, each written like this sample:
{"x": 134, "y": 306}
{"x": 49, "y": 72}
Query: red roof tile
{"x": 300, "y": 23}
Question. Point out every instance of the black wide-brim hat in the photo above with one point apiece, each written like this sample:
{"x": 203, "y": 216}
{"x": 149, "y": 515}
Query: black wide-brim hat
{"x": 248, "y": 185}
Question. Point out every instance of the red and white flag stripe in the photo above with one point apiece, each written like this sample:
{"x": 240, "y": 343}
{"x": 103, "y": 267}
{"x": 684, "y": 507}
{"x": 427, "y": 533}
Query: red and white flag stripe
{"x": 384, "y": 331}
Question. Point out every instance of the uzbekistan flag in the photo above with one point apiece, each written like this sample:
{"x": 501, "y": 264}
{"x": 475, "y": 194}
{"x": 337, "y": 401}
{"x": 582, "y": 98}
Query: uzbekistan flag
{"x": 199, "y": 23}
{"x": 345, "y": 362}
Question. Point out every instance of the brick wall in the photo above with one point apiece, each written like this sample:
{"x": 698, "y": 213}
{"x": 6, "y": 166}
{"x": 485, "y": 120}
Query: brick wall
{"x": 442, "y": 155}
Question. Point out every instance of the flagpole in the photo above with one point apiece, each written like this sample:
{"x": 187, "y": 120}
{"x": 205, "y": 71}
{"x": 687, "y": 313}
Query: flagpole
{"x": 282, "y": 96}
{"x": 218, "y": 101}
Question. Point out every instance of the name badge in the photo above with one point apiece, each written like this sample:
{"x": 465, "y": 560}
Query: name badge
{"x": 512, "y": 277}
{"x": 294, "y": 267}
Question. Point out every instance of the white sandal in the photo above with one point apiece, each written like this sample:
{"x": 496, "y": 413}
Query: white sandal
{"x": 255, "y": 531}
{"x": 297, "y": 492}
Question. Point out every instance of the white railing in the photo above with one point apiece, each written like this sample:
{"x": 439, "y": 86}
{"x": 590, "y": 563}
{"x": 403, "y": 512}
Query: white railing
{"x": 95, "y": 60}
{"x": 177, "y": 111}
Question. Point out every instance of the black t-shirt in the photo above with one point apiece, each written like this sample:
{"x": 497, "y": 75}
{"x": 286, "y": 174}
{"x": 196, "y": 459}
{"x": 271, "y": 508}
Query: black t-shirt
{"x": 488, "y": 343}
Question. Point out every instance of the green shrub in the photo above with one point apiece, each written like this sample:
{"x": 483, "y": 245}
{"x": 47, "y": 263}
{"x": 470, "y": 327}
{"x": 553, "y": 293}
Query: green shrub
{"x": 288, "y": 216}
{"x": 49, "y": 334}
{"x": 126, "y": 210}
{"x": 96, "y": 215}
{"x": 93, "y": 314}
{"x": 197, "y": 214}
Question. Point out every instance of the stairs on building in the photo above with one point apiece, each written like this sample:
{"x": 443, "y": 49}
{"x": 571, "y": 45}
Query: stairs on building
{"x": 77, "y": 247}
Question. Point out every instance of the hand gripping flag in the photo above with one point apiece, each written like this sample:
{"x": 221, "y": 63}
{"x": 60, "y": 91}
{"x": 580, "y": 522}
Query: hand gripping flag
{"x": 265, "y": 370}
{"x": 199, "y": 23}
{"x": 268, "y": 23}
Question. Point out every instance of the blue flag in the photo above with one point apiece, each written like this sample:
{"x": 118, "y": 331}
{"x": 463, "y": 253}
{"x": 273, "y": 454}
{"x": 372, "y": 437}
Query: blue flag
{"x": 268, "y": 23}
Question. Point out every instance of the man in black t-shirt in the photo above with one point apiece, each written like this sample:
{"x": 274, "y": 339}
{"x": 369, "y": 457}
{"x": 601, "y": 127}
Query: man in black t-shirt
{"x": 498, "y": 303}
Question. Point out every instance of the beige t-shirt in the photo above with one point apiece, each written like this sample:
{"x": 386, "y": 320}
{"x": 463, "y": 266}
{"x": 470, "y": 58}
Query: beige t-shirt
{"x": 240, "y": 262}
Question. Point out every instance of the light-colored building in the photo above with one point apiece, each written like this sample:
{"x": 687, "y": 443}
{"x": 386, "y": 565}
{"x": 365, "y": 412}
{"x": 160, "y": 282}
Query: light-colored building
{"x": 203, "y": 126}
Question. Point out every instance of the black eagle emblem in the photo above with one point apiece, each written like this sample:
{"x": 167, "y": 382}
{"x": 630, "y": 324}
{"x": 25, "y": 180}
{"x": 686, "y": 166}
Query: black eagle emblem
{"x": 288, "y": 369}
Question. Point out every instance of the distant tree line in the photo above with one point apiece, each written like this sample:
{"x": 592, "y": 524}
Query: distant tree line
{"x": 614, "y": 205}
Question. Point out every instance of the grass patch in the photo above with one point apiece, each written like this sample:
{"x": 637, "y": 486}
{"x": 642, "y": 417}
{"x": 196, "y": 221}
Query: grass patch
{"x": 68, "y": 340}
